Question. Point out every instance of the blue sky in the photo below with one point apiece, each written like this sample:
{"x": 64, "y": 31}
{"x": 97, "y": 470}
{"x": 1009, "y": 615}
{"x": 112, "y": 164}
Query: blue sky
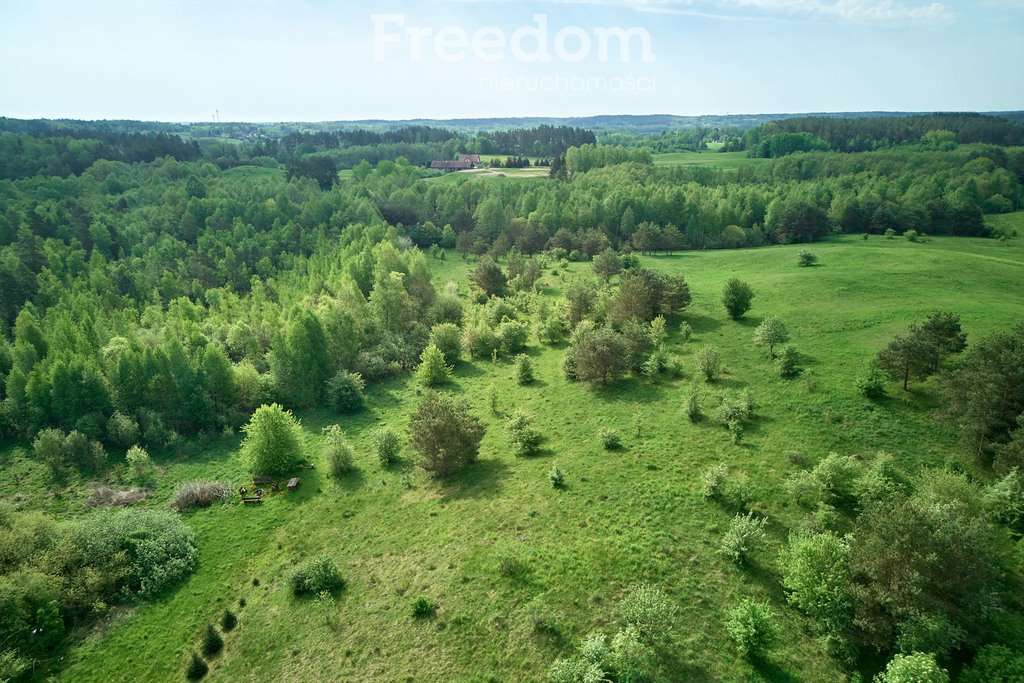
{"x": 268, "y": 60}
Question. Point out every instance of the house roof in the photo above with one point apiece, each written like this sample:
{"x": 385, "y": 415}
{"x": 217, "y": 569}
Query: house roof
{"x": 474, "y": 158}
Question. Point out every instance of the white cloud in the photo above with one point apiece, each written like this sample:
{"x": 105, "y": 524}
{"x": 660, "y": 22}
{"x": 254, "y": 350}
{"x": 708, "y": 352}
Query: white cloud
{"x": 864, "y": 11}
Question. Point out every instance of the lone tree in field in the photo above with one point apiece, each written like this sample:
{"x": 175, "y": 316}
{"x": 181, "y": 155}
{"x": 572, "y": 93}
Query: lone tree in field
{"x": 445, "y": 434}
{"x": 737, "y": 297}
{"x": 488, "y": 276}
{"x": 607, "y": 264}
{"x": 805, "y": 258}
{"x": 433, "y": 370}
{"x": 273, "y": 441}
{"x": 771, "y": 332}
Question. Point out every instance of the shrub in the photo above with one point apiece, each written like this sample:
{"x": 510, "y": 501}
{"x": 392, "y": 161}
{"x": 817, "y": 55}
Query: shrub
{"x": 48, "y": 447}
{"x": 345, "y": 391}
{"x": 691, "y": 405}
{"x": 914, "y": 668}
{"x": 650, "y": 610}
{"x": 995, "y": 663}
{"x": 745, "y": 535}
{"x": 911, "y": 235}
{"x": 575, "y": 670}
{"x": 479, "y": 340}
{"x": 733, "y": 411}
{"x": 871, "y": 384}
{"x": 106, "y": 497}
{"x": 212, "y": 642}
{"x": 713, "y": 481}
{"x": 685, "y": 331}
{"x": 123, "y": 430}
{"x": 523, "y": 435}
{"x": 556, "y": 476}
{"x": 197, "y": 668}
{"x": 890, "y": 233}
{"x": 707, "y": 363}
{"x": 524, "y": 369}
{"x": 273, "y": 441}
{"x": 445, "y": 434}
{"x": 432, "y": 370}
{"x": 629, "y": 657}
{"x": 610, "y": 438}
{"x": 316, "y": 576}
{"x": 788, "y": 360}
{"x": 228, "y": 621}
{"x": 337, "y": 452}
{"x": 805, "y": 489}
{"x": 752, "y": 627}
{"x": 817, "y": 578}
{"x": 737, "y": 297}
{"x": 806, "y": 258}
{"x": 553, "y": 329}
{"x": 512, "y": 336}
{"x": 448, "y": 338}
{"x": 837, "y": 475}
{"x": 387, "y": 444}
{"x": 140, "y": 466}
{"x": 196, "y": 494}
{"x": 423, "y": 607}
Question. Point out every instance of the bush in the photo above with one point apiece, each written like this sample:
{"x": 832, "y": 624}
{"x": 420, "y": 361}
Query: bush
{"x": 524, "y": 369}
{"x": 423, "y": 607}
{"x": 995, "y": 664}
{"x": 523, "y": 435}
{"x": 817, "y": 578}
{"x": 737, "y": 297}
{"x": 387, "y": 444}
{"x": 707, "y": 363}
{"x": 228, "y": 621}
{"x": 197, "y": 668}
{"x": 610, "y": 438}
{"x": 123, "y": 430}
{"x": 788, "y": 360}
{"x": 49, "y": 449}
{"x": 685, "y": 331}
{"x": 432, "y": 370}
{"x": 745, "y": 535}
{"x": 195, "y": 494}
{"x": 576, "y": 670}
{"x": 106, "y": 497}
{"x": 337, "y": 452}
{"x": 752, "y": 627}
{"x": 445, "y": 434}
{"x": 316, "y": 576}
{"x": 557, "y": 477}
{"x": 212, "y": 642}
{"x": 771, "y": 332}
{"x": 479, "y": 340}
{"x": 140, "y": 466}
{"x": 733, "y": 411}
{"x": 871, "y": 384}
{"x": 691, "y": 405}
{"x": 890, "y": 233}
{"x": 273, "y": 441}
{"x": 806, "y": 258}
{"x": 448, "y": 338}
{"x": 713, "y": 481}
{"x": 512, "y": 336}
{"x": 345, "y": 391}
{"x": 837, "y": 475}
{"x": 629, "y": 657}
{"x": 911, "y": 235}
{"x": 553, "y": 329}
{"x": 914, "y": 668}
{"x": 650, "y": 610}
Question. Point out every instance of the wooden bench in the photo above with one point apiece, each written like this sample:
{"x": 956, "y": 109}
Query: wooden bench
{"x": 252, "y": 501}
{"x": 263, "y": 481}
{"x": 293, "y": 483}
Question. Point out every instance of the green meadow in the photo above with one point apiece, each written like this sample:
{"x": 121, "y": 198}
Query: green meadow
{"x": 626, "y": 516}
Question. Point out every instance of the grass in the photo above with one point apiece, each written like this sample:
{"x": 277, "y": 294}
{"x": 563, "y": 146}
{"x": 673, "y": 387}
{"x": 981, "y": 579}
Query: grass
{"x": 709, "y": 158}
{"x": 1008, "y": 224}
{"x": 634, "y": 514}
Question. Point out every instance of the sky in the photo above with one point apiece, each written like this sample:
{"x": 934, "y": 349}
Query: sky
{"x": 317, "y": 60}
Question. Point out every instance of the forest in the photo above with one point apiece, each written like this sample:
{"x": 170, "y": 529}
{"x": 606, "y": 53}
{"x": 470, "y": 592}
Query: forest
{"x": 661, "y": 421}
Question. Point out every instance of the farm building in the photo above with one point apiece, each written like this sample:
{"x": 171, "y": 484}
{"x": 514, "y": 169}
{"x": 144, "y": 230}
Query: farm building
{"x": 449, "y": 166}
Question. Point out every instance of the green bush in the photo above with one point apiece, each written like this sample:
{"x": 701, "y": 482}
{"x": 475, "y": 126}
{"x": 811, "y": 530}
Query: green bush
{"x": 914, "y": 668}
{"x": 197, "y": 668}
{"x": 432, "y": 369}
{"x": 273, "y": 442}
{"x": 212, "y": 642}
{"x": 707, "y": 363}
{"x": 557, "y": 477}
{"x": 752, "y": 627}
{"x": 445, "y": 434}
{"x": 995, "y": 664}
{"x": 650, "y": 610}
{"x": 123, "y": 430}
{"x": 512, "y": 336}
{"x": 610, "y": 438}
{"x": 423, "y": 607}
{"x": 745, "y": 536}
{"x": 387, "y": 444}
{"x": 737, "y": 297}
{"x": 345, "y": 391}
{"x": 337, "y": 452}
{"x": 140, "y": 466}
{"x": 523, "y": 436}
{"x": 228, "y": 621}
{"x": 448, "y": 338}
{"x": 871, "y": 384}
{"x": 788, "y": 360}
{"x": 524, "y": 369}
{"x": 713, "y": 481}
{"x": 691, "y": 405}
{"x": 316, "y": 576}
{"x": 806, "y": 258}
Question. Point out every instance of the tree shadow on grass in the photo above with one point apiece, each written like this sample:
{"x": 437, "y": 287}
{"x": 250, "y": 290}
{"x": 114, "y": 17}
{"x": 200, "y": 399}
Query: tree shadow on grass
{"x": 482, "y": 479}
{"x": 467, "y": 370}
{"x": 772, "y": 671}
{"x": 701, "y": 324}
{"x": 631, "y": 390}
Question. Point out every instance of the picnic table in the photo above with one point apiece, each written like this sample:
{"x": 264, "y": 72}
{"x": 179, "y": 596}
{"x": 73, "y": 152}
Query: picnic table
{"x": 254, "y": 500}
{"x": 293, "y": 483}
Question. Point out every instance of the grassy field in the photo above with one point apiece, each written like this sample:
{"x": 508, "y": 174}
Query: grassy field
{"x": 709, "y": 158}
{"x": 1008, "y": 224}
{"x": 531, "y": 173}
{"x": 627, "y": 516}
